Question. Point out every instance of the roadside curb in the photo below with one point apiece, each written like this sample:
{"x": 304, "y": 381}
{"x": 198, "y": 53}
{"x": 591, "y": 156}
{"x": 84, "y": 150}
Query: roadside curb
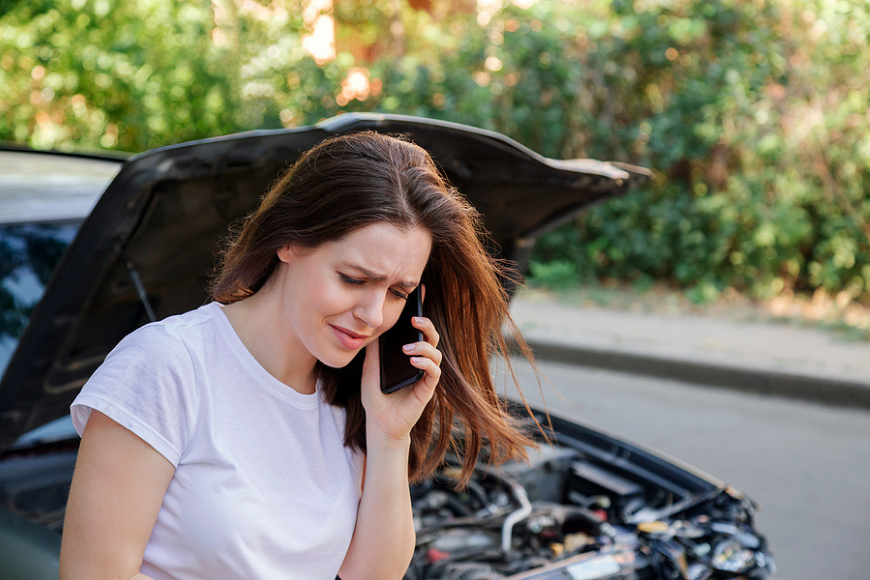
{"x": 766, "y": 381}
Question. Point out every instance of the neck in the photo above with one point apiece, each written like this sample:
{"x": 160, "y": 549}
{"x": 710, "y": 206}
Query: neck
{"x": 256, "y": 321}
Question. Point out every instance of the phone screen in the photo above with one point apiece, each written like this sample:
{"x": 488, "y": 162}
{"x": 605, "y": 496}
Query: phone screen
{"x": 396, "y": 369}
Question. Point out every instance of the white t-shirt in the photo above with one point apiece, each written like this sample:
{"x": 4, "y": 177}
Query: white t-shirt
{"x": 263, "y": 486}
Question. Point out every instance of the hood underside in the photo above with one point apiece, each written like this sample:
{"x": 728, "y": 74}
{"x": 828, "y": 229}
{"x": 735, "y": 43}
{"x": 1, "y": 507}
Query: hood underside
{"x": 163, "y": 217}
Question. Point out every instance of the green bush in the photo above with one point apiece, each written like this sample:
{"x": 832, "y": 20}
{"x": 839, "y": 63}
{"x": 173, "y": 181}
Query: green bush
{"x": 758, "y": 127}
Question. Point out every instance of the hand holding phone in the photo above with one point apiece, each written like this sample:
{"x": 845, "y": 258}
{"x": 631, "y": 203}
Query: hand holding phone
{"x": 396, "y": 369}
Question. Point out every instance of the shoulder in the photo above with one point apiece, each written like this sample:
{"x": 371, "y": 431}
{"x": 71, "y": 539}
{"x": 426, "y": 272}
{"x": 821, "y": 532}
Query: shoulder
{"x": 168, "y": 351}
{"x": 172, "y": 336}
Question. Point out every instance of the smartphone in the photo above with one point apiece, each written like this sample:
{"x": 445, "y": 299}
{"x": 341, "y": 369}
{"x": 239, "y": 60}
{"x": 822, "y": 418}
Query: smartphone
{"x": 396, "y": 369}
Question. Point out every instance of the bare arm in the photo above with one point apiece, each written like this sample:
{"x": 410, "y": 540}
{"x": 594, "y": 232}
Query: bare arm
{"x": 116, "y": 492}
{"x": 384, "y": 538}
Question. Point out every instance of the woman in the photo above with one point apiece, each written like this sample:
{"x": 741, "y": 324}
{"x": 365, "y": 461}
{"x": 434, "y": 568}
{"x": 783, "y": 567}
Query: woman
{"x": 237, "y": 440}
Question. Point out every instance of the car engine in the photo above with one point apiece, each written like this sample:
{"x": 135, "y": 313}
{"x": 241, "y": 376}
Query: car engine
{"x": 566, "y": 516}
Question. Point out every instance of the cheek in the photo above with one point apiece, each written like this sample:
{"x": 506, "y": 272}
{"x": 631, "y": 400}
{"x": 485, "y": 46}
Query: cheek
{"x": 327, "y": 299}
{"x": 391, "y": 314}
{"x": 392, "y": 311}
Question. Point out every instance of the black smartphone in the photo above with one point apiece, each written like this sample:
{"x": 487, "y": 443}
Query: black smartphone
{"x": 396, "y": 369}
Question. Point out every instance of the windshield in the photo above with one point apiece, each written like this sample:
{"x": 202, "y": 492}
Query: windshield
{"x": 28, "y": 256}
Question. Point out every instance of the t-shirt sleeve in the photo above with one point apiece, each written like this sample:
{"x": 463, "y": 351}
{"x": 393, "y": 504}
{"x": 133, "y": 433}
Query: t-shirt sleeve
{"x": 146, "y": 384}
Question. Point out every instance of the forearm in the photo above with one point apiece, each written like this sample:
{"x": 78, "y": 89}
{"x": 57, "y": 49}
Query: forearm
{"x": 65, "y": 575}
{"x": 383, "y": 540}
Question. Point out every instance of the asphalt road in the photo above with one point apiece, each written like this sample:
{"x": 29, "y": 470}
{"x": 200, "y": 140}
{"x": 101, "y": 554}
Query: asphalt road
{"x": 807, "y": 464}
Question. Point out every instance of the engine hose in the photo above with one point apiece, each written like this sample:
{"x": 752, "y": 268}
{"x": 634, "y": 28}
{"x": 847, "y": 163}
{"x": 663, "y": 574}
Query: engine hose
{"x": 519, "y": 494}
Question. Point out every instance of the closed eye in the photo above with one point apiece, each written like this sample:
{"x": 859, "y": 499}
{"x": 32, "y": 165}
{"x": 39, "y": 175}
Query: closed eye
{"x": 357, "y": 282}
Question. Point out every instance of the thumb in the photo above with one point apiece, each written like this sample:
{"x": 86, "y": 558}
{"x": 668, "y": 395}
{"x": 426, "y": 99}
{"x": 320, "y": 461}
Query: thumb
{"x": 371, "y": 371}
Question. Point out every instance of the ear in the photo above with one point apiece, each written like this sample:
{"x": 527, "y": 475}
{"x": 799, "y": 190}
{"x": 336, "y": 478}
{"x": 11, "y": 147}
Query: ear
{"x": 286, "y": 254}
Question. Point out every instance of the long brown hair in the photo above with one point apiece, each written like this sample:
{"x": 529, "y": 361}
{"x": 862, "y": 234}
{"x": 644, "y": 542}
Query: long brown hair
{"x": 351, "y": 181}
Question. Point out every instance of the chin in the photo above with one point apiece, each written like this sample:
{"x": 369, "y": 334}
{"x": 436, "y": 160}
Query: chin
{"x": 340, "y": 362}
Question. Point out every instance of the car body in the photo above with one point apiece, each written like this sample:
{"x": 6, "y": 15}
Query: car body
{"x": 120, "y": 243}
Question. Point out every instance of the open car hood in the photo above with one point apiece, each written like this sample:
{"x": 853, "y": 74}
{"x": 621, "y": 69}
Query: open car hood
{"x": 161, "y": 218}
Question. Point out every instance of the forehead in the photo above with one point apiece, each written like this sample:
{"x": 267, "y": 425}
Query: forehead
{"x": 384, "y": 249}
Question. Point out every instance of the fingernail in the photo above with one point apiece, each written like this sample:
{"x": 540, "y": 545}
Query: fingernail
{"x": 417, "y": 319}
{"x": 417, "y": 359}
{"x": 409, "y": 347}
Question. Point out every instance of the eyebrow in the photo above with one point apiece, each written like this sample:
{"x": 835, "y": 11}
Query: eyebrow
{"x": 378, "y": 277}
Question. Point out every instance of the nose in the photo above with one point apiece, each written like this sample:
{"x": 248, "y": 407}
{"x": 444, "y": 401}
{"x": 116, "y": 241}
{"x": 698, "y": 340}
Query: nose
{"x": 370, "y": 309}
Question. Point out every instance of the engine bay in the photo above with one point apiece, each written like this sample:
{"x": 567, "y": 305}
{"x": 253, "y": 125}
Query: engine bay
{"x": 574, "y": 515}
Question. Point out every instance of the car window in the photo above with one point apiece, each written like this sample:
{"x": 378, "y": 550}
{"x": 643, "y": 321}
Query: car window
{"x": 28, "y": 256}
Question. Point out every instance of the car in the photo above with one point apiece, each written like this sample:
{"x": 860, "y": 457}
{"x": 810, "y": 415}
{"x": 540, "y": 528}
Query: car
{"x": 94, "y": 247}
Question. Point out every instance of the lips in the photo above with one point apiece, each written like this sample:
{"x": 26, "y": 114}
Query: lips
{"x": 349, "y": 339}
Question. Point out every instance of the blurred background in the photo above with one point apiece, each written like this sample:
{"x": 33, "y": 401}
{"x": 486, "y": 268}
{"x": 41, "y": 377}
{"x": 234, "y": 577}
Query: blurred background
{"x": 754, "y": 114}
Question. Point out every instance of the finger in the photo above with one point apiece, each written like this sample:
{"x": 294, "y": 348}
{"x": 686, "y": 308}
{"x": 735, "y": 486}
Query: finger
{"x": 425, "y": 326}
{"x": 425, "y": 388}
{"x": 371, "y": 371}
{"x": 423, "y": 349}
{"x": 432, "y": 370}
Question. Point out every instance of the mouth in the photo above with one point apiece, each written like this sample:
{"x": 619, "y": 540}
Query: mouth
{"x": 349, "y": 339}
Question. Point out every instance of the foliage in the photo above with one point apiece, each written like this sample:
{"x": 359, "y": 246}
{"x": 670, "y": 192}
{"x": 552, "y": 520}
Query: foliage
{"x": 126, "y": 75}
{"x": 755, "y": 114}
{"x": 758, "y": 125}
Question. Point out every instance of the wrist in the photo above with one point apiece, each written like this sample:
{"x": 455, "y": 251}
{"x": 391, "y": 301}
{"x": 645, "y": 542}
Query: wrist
{"x": 379, "y": 440}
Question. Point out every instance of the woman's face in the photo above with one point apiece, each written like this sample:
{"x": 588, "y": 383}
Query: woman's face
{"x": 340, "y": 296}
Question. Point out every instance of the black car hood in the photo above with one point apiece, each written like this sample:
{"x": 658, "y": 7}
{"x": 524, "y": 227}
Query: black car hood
{"x": 162, "y": 217}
